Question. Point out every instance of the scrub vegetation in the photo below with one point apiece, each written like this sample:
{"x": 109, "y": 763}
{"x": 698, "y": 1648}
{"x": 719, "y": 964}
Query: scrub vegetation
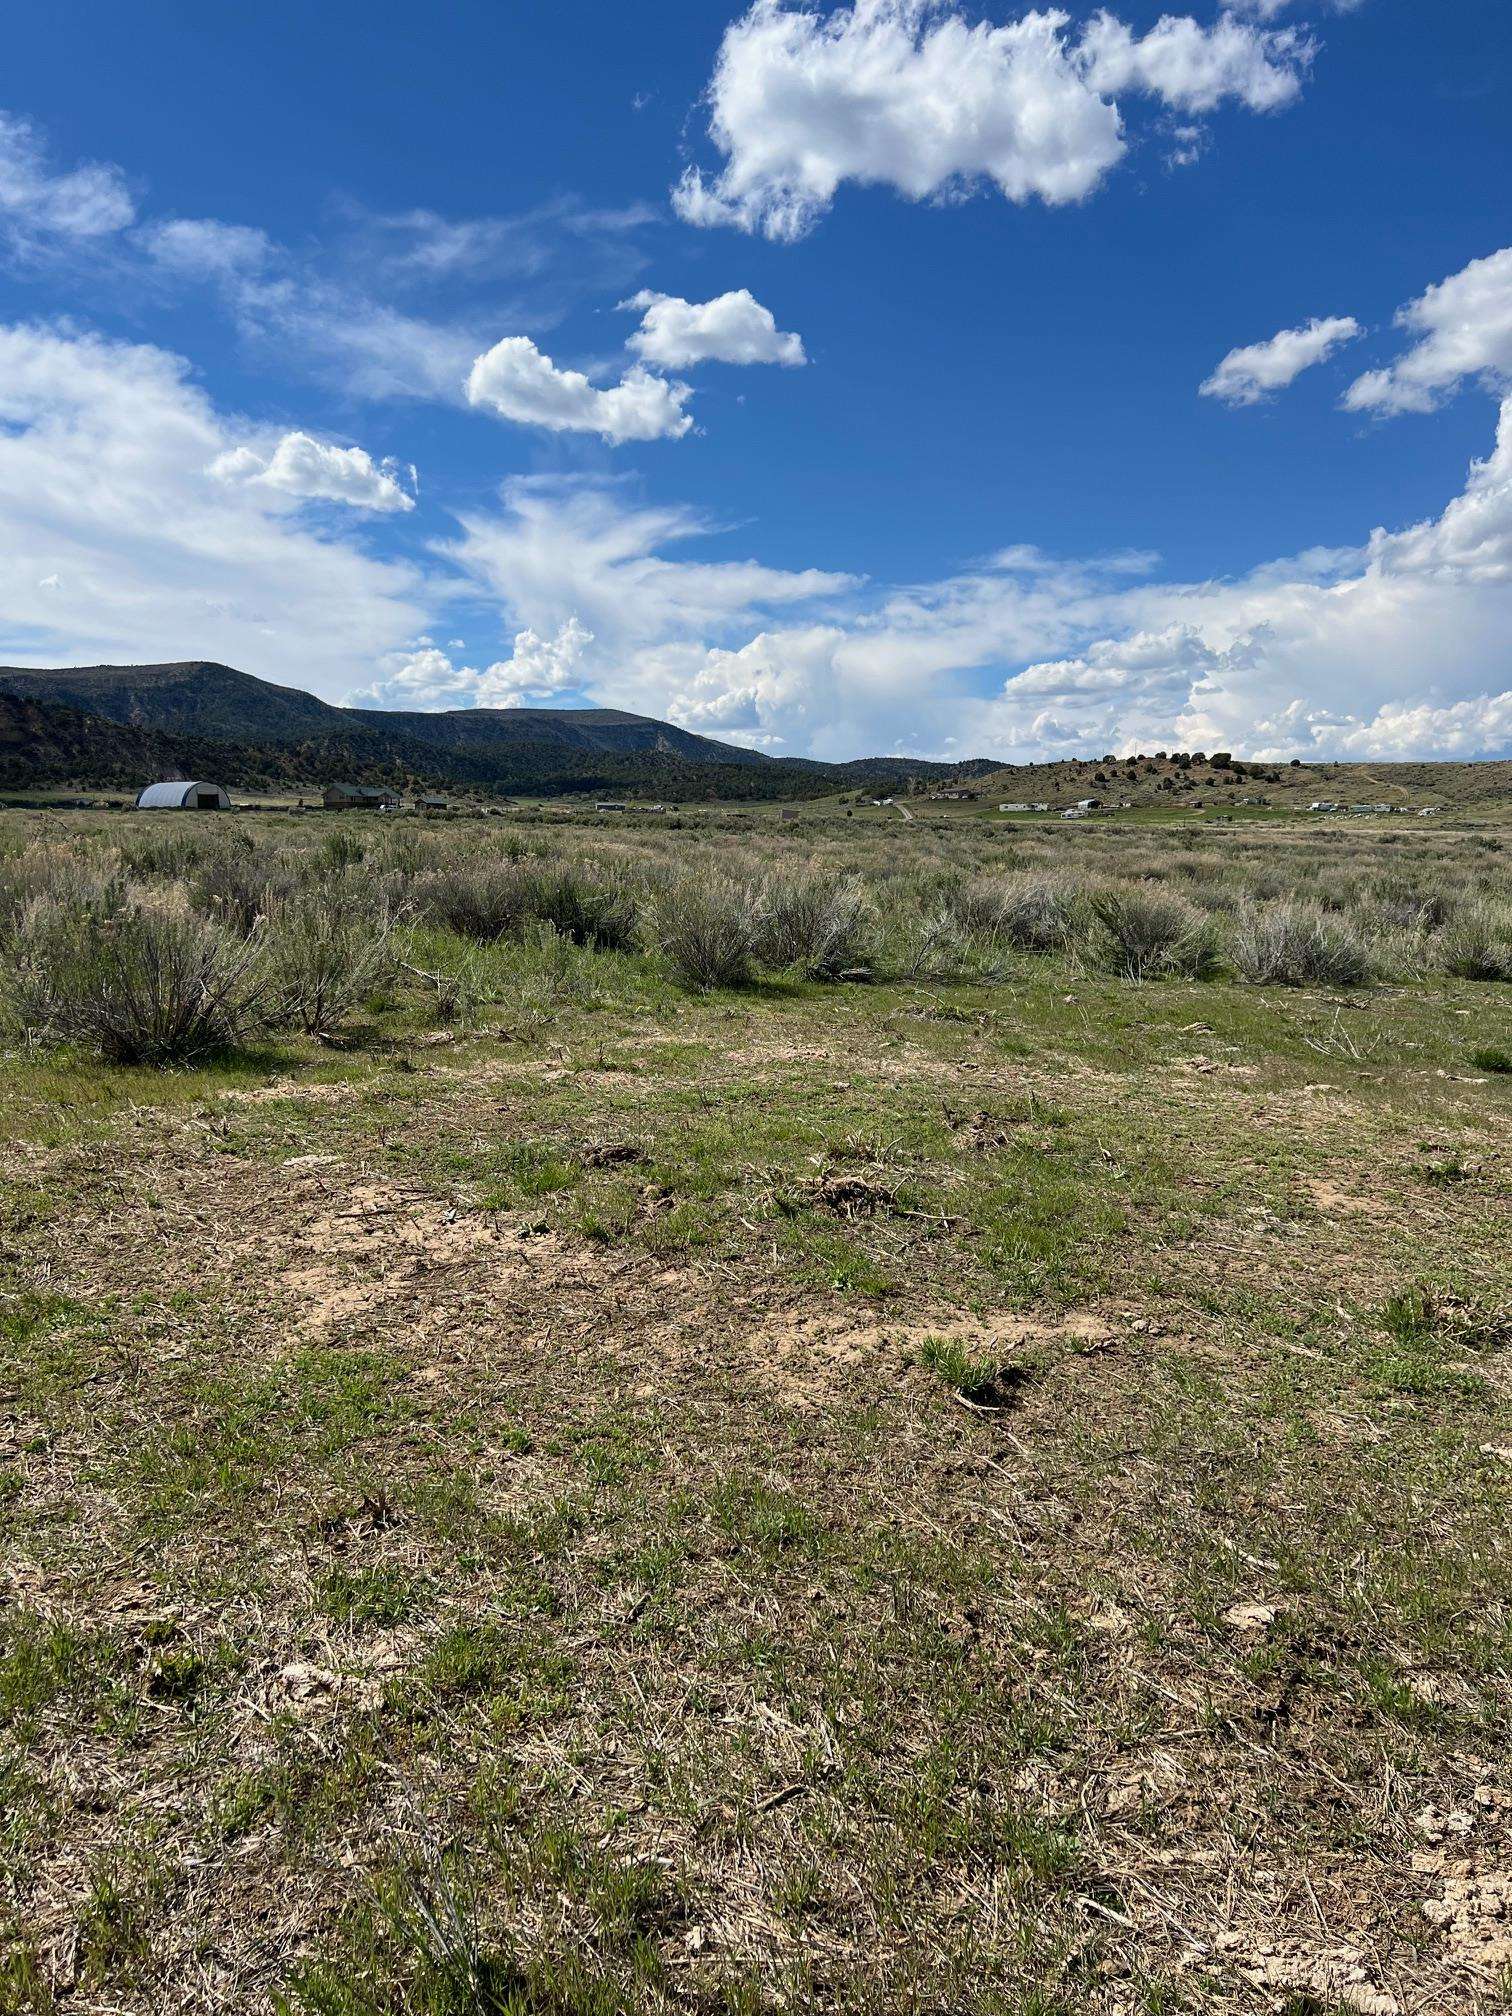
{"x": 707, "y": 1414}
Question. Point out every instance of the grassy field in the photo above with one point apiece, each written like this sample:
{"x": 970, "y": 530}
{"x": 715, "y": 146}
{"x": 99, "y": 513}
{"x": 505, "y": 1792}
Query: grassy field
{"x": 534, "y": 1485}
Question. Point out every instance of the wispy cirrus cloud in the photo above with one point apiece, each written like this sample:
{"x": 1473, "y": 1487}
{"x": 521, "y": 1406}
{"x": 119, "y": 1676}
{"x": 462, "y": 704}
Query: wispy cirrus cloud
{"x": 1026, "y": 655}
{"x": 329, "y": 328}
{"x": 1272, "y": 10}
{"x": 42, "y": 205}
{"x": 119, "y": 544}
{"x": 386, "y": 305}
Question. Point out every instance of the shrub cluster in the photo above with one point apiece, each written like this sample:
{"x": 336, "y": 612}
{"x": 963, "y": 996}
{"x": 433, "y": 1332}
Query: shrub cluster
{"x": 707, "y": 928}
{"x": 324, "y": 953}
{"x": 1478, "y": 944}
{"x": 1146, "y": 934}
{"x": 589, "y": 902}
{"x": 1031, "y": 913}
{"x": 1295, "y": 944}
{"x": 141, "y": 984}
{"x": 817, "y": 924}
{"x": 170, "y": 942}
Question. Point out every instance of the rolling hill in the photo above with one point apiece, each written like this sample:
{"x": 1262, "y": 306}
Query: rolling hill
{"x": 1195, "y": 781}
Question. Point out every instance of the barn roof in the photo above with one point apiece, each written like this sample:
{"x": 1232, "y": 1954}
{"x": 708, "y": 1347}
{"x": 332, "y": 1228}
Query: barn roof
{"x": 175, "y": 793}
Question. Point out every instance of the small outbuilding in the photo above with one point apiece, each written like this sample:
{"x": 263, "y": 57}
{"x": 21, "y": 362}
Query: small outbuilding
{"x": 180, "y": 795}
{"x": 362, "y": 798}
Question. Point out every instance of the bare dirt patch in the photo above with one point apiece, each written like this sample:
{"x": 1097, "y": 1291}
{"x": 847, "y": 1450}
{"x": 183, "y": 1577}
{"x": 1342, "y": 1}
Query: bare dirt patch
{"x": 376, "y": 1252}
{"x": 1333, "y": 1200}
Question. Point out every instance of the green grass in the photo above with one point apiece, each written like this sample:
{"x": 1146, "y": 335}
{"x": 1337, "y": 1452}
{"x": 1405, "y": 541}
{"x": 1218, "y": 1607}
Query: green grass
{"x": 40, "y": 1661}
{"x": 759, "y": 1519}
{"x": 968, "y": 1373}
{"x": 1424, "y": 1356}
{"x": 370, "y": 1597}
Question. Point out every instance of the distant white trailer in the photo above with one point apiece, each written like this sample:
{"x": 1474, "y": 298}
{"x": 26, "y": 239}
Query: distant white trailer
{"x": 182, "y": 796}
{"x": 1013, "y": 808}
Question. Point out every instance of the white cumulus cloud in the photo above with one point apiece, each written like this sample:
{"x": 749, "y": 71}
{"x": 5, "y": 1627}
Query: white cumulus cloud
{"x": 733, "y": 328}
{"x": 1246, "y": 375}
{"x": 538, "y": 669}
{"x": 912, "y": 95}
{"x": 1464, "y": 330}
{"x": 516, "y": 381}
{"x": 38, "y": 202}
{"x": 300, "y": 466}
{"x": 1192, "y": 68}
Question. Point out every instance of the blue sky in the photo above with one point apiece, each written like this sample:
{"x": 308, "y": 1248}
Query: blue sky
{"x": 314, "y": 357}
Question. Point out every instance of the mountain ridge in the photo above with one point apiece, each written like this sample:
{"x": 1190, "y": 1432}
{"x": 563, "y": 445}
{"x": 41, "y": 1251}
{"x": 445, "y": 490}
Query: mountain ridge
{"x": 203, "y": 696}
{"x": 124, "y": 726}
{"x": 251, "y": 732}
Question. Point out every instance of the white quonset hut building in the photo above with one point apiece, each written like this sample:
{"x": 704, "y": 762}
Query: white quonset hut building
{"x": 181, "y": 796}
